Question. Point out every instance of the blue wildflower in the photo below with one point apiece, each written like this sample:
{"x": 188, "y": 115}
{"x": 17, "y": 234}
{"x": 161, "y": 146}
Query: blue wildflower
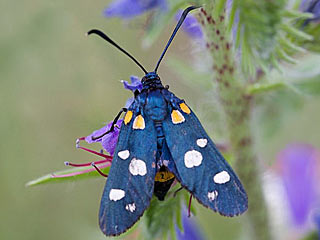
{"x": 298, "y": 166}
{"x": 191, "y": 229}
{"x": 127, "y": 9}
{"x": 191, "y": 25}
{"x": 311, "y": 6}
{"x": 134, "y": 85}
{"x": 108, "y": 141}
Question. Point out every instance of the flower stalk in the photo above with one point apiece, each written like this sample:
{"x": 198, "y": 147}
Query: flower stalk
{"x": 237, "y": 106}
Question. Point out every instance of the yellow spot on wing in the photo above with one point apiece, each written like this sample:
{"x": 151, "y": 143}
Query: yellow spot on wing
{"x": 139, "y": 122}
{"x": 177, "y": 117}
{"x": 185, "y": 108}
{"x": 163, "y": 176}
{"x": 127, "y": 117}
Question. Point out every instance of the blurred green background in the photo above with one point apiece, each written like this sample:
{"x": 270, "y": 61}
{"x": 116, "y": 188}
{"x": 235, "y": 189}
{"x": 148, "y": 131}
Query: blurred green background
{"x": 57, "y": 85}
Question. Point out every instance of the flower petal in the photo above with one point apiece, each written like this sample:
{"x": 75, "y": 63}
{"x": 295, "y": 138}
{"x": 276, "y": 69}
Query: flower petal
{"x": 97, "y": 133}
{"x": 127, "y": 9}
{"x": 191, "y": 229}
{"x": 134, "y": 85}
{"x": 190, "y": 25}
{"x": 298, "y": 164}
{"x": 108, "y": 141}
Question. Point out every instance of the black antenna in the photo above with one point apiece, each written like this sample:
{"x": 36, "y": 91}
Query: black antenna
{"x": 182, "y": 18}
{"x": 109, "y": 40}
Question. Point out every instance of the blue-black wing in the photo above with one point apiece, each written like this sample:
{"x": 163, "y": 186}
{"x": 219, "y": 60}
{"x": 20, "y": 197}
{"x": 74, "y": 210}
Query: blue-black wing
{"x": 130, "y": 183}
{"x": 200, "y": 167}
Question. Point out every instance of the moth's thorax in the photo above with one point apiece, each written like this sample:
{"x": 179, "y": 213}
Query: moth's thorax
{"x": 156, "y": 106}
{"x": 151, "y": 81}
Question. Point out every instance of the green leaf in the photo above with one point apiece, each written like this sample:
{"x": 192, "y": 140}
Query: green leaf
{"x": 314, "y": 235}
{"x": 296, "y": 32}
{"x": 267, "y": 87}
{"x": 284, "y": 56}
{"x": 290, "y": 46}
{"x": 312, "y": 29}
{"x": 297, "y": 14}
{"x": 219, "y": 7}
{"x": 275, "y": 63}
{"x": 161, "y": 216}
{"x": 309, "y": 86}
{"x": 247, "y": 57}
{"x": 179, "y": 219}
{"x": 173, "y": 232}
{"x": 232, "y": 15}
{"x": 72, "y": 174}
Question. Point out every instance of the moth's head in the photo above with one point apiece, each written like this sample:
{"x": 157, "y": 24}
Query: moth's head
{"x": 150, "y": 77}
{"x": 151, "y": 80}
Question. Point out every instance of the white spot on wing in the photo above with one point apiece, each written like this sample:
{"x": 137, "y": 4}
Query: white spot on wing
{"x": 192, "y": 158}
{"x": 212, "y": 195}
{"x": 124, "y": 154}
{"x": 131, "y": 207}
{"x": 137, "y": 167}
{"x": 202, "y": 142}
{"x": 116, "y": 194}
{"x": 221, "y": 177}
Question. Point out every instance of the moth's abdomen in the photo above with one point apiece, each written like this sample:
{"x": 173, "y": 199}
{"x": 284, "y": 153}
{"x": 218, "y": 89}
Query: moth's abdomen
{"x": 156, "y": 106}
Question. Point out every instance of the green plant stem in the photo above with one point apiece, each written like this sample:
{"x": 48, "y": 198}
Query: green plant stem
{"x": 237, "y": 107}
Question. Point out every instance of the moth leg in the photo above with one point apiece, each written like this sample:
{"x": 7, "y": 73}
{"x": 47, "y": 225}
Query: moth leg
{"x": 113, "y": 124}
{"x": 98, "y": 170}
{"x": 178, "y": 190}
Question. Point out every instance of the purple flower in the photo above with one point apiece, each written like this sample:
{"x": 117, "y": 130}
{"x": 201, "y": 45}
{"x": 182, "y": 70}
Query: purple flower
{"x": 127, "y": 9}
{"x": 298, "y": 166}
{"x": 311, "y": 6}
{"x": 191, "y": 230}
{"x": 134, "y": 85}
{"x": 108, "y": 141}
{"x": 190, "y": 25}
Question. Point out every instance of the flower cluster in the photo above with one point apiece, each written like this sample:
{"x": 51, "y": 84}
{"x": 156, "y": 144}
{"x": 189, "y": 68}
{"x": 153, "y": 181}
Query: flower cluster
{"x": 128, "y": 9}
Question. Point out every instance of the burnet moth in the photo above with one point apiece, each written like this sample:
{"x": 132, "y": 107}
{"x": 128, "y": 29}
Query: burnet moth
{"x": 160, "y": 140}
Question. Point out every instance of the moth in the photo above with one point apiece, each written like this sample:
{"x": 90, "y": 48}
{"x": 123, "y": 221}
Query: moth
{"x": 160, "y": 140}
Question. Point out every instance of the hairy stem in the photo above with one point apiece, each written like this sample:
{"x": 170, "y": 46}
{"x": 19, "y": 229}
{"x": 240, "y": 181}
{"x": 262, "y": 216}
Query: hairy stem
{"x": 237, "y": 107}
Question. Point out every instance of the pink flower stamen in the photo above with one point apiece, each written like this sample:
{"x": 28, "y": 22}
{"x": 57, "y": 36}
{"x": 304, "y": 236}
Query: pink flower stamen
{"x": 86, "y": 164}
{"x": 91, "y": 151}
{"x": 97, "y": 153}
